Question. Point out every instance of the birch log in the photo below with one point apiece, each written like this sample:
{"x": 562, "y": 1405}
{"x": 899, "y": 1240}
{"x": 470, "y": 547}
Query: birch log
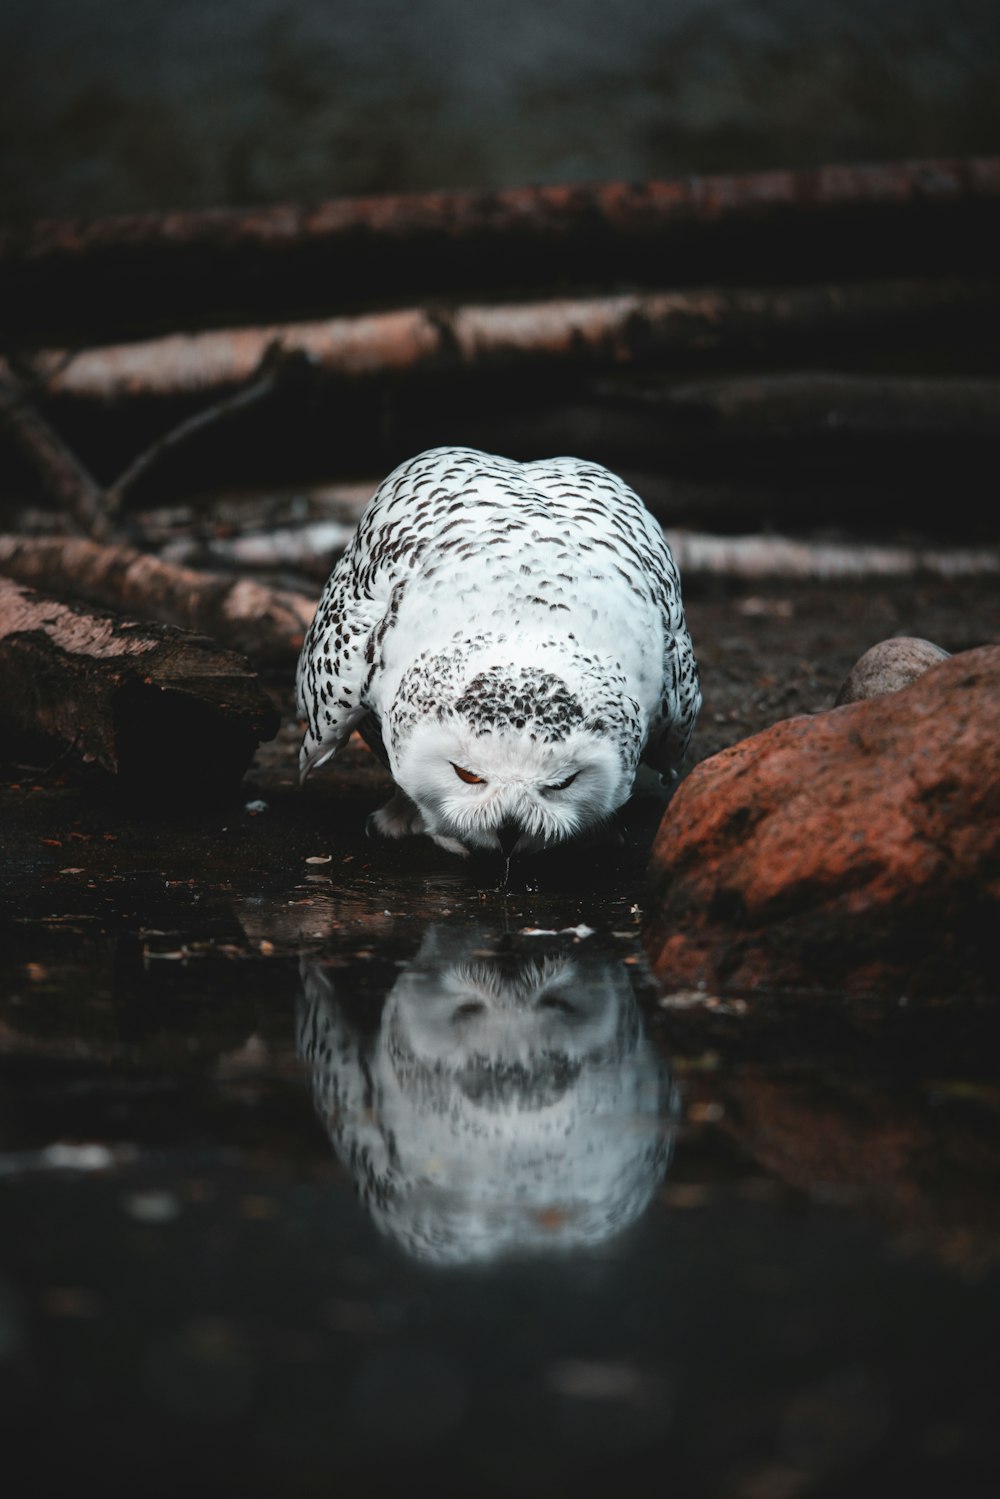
{"x": 633, "y": 328}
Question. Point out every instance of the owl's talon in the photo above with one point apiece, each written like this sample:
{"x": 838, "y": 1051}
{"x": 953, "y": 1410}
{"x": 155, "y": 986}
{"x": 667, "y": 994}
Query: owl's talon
{"x": 399, "y": 818}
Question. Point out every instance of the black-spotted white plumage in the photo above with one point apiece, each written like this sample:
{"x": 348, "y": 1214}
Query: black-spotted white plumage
{"x": 511, "y": 636}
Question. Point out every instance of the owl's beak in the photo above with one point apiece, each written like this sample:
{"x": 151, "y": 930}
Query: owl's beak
{"x": 508, "y": 835}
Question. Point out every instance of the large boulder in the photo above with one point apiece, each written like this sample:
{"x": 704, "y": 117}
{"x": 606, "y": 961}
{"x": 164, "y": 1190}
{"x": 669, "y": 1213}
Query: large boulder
{"x": 858, "y": 848}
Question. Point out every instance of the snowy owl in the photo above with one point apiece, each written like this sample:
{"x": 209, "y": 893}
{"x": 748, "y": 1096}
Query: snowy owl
{"x": 509, "y": 1102}
{"x": 510, "y": 638}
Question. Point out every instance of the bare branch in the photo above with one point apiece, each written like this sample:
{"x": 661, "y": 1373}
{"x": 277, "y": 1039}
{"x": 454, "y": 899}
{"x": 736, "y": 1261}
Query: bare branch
{"x": 63, "y": 475}
{"x": 276, "y": 367}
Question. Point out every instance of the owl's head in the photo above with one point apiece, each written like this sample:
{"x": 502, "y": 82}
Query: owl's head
{"x": 517, "y": 762}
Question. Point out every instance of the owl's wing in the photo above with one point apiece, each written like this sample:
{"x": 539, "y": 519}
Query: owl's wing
{"x": 335, "y": 664}
{"x": 671, "y": 728}
{"x": 358, "y": 605}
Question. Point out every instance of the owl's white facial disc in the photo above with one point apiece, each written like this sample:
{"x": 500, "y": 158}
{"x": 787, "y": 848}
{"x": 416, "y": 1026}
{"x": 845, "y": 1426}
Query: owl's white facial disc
{"x": 548, "y": 792}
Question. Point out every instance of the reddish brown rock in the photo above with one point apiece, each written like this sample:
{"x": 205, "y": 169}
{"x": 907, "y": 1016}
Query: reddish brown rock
{"x": 858, "y": 848}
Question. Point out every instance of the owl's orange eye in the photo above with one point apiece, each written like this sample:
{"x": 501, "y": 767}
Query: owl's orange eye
{"x": 467, "y": 775}
{"x": 563, "y": 784}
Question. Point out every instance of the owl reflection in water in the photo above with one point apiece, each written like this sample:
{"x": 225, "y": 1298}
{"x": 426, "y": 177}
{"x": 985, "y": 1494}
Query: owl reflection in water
{"x": 509, "y": 1102}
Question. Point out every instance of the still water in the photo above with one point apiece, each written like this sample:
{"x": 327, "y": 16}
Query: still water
{"x": 392, "y": 1179}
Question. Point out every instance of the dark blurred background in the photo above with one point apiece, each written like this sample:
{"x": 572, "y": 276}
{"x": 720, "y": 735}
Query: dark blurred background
{"x": 109, "y": 107}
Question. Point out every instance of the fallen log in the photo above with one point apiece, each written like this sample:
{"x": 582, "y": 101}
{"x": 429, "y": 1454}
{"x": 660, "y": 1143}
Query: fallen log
{"x": 633, "y": 328}
{"x": 309, "y": 548}
{"x": 809, "y": 405}
{"x": 233, "y": 513}
{"x": 154, "y": 706}
{"x": 766, "y": 556}
{"x": 313, "y": 547}
{"x": 266, "y": 624}
{"x": 143, "y": 271}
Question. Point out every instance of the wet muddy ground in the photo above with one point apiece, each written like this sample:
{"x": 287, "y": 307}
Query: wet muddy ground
{"x": 328, "y": 1163}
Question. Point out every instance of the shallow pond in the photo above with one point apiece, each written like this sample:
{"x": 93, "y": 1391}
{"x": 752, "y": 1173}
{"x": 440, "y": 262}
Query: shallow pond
{"x": 326, "y": 1167}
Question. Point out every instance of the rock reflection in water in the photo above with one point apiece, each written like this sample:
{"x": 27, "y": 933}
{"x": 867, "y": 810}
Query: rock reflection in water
{"x": 508, "y": 1102}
